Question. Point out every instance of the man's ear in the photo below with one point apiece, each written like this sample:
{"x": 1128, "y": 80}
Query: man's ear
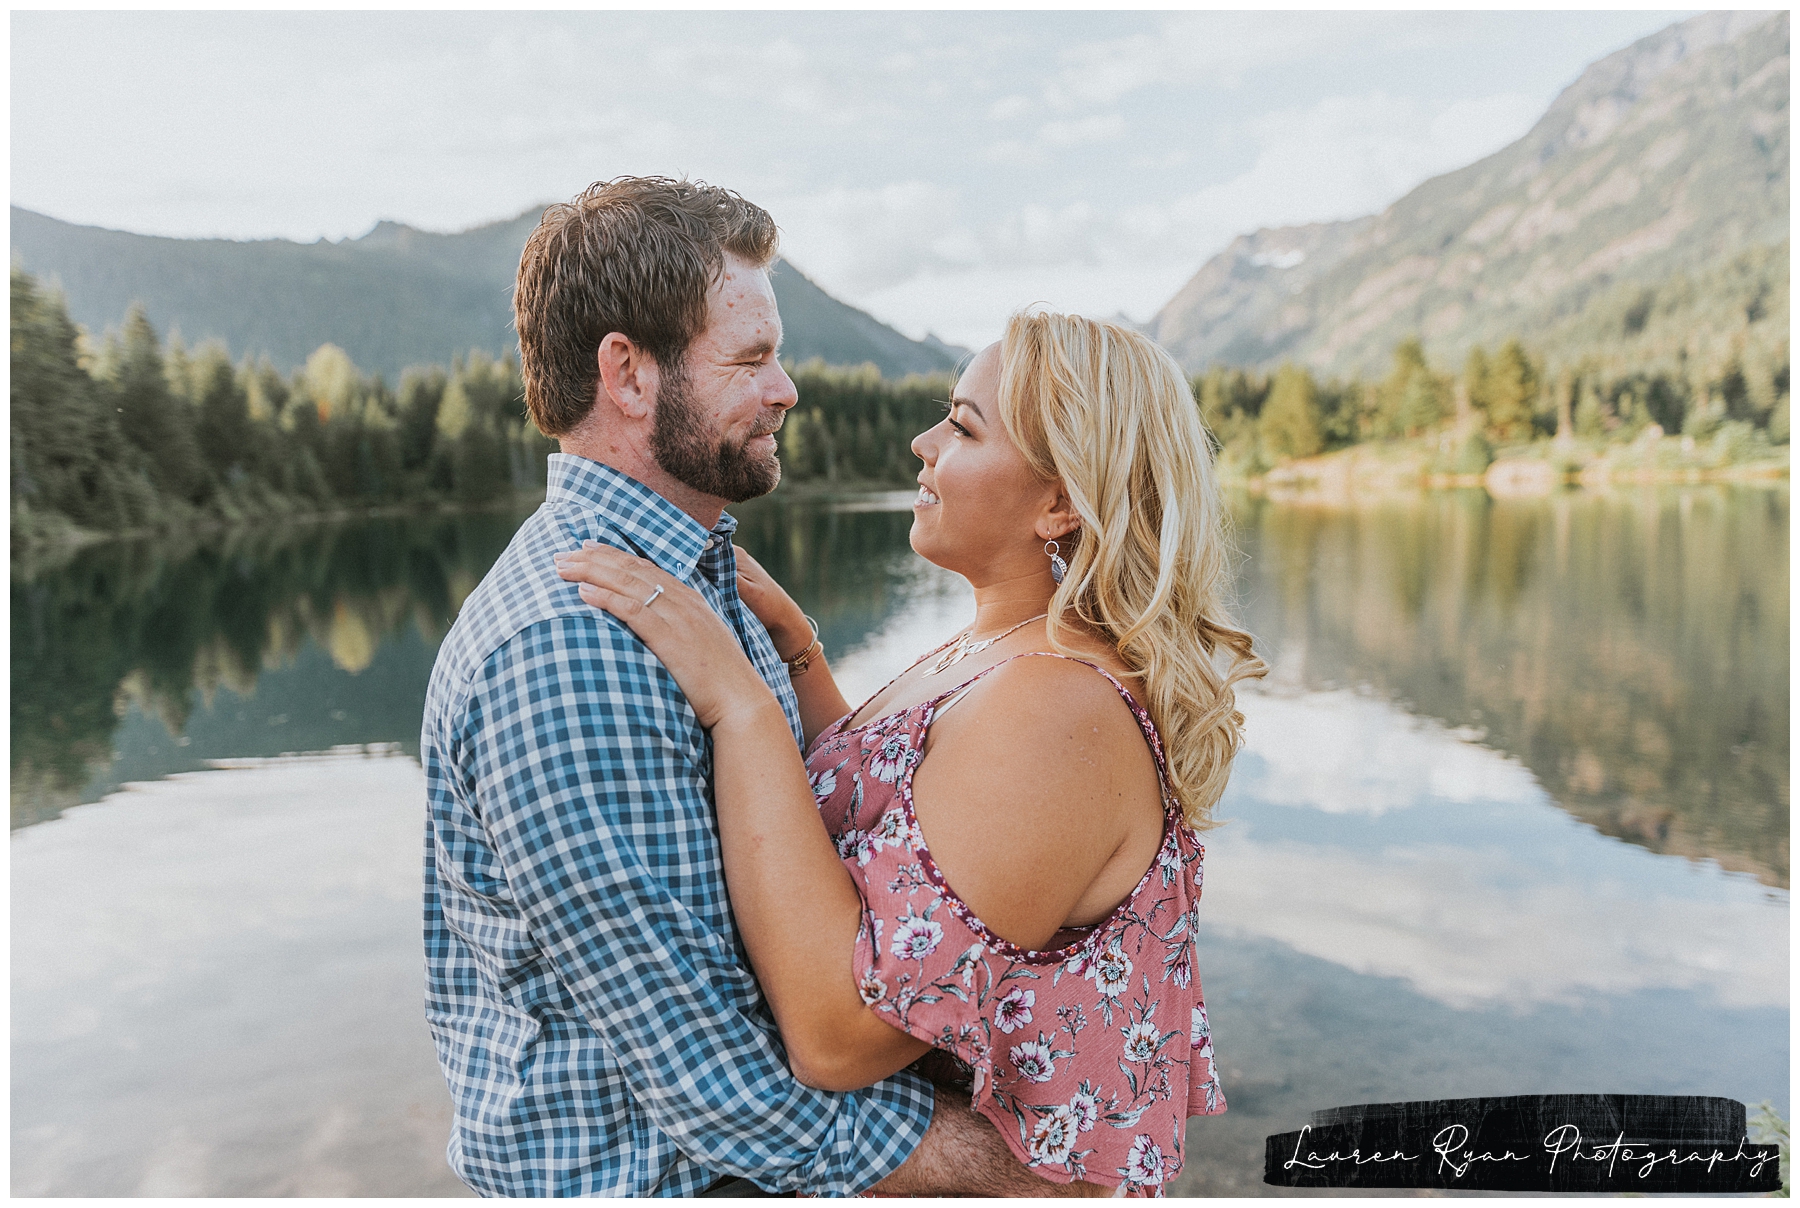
{"x": 628, "y": 377}
{"x": 1059, "y": 517}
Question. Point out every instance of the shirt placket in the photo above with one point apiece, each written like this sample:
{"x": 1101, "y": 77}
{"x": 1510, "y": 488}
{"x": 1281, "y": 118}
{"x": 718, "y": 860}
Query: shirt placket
{"x": 718, "y": 565}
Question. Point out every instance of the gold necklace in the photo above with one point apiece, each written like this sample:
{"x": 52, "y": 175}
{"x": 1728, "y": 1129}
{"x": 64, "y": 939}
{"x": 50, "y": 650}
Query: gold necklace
{"x": 962, "y": 648}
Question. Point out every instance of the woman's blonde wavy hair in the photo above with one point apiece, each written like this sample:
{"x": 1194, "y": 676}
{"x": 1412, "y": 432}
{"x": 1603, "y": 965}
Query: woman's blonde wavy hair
{"x": 1111, "y": 414}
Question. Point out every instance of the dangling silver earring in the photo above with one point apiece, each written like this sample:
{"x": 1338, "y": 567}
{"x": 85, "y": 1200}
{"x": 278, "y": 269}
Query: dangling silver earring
{"x": 1058, "y": 568}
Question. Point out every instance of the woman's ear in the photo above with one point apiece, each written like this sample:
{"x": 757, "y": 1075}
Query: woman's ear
{"x": 1059, "y": 517}
{"x": 628, "y": 377}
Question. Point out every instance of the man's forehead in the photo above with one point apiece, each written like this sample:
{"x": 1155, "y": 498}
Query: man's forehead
{"x": 738, "y": 275}
{"x": 741, "y": 312}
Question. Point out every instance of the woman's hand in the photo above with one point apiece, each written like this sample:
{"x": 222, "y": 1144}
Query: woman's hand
{"x": 677, "y": 624}
{"x": 797, "y": 907}
{"x": 773, "y": 607}
{"x": 816, "y": 691}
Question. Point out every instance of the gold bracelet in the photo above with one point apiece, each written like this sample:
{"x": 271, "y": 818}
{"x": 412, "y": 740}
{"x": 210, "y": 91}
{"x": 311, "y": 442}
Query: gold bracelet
{"x": 800, "y": 662}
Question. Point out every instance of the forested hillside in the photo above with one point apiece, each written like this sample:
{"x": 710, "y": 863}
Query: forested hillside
{"x": 395, "y": 298}
{"x": 131, "y": 432}
{"x": 1640, "y": 226}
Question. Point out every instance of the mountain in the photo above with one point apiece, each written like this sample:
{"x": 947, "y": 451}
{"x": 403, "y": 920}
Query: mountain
{"x": 392, "y": 298}
{"x": 1649, "y": 202}
{"x": 815, "y": 324}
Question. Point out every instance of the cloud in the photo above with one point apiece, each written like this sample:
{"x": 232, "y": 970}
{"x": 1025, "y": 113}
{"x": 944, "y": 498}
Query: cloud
{"x": 1462, "y": 875}
{"x": 863, "y": 240}
{"x": 1340, "y": 157}
{"x": 1095, "y": 129}
{"x": 868, "y": 241}
{"x": 1342, "y": 753}
{"x": 1455, "y": 923}
{"x": 970, "y": 307}
{"x": 1041, "y": 235}
{"x": 1009, "y": 107}
{"x": 1219, "y": 49}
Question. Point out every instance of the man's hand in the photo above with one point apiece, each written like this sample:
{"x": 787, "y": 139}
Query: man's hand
{"x": 962, "y": 1154}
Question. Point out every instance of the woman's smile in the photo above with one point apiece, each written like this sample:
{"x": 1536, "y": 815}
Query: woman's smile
{"x": 926, "y": 497}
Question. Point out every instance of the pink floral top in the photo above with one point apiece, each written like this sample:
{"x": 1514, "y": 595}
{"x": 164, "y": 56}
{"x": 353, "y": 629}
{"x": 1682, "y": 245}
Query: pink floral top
{"x": 1090, "y": 1057}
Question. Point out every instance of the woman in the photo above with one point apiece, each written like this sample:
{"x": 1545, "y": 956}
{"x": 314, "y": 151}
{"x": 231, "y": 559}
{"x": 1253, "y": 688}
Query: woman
{"x": 1008, "y": 869}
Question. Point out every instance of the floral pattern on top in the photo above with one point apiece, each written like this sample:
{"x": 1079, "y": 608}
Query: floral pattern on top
{"x": 1089, "y": 1058}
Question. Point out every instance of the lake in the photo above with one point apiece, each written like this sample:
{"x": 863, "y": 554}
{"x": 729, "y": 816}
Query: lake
{"x": 1511, "y": 818}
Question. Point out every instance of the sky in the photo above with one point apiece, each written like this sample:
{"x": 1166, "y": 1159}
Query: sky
{"x": 938, "y": 169}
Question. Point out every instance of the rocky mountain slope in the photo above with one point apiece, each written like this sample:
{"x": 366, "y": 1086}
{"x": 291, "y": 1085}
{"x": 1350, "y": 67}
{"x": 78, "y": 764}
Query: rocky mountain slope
{"x": 1646, "y": 210}
{"x": 392, "y": 298}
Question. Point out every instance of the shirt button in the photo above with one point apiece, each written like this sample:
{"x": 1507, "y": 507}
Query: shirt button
{"x": 710, "y": 542}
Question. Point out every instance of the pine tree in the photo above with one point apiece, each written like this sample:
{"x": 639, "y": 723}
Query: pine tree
{"x": 1478, "y": 384}
{"x": 67, "y": 453}
{"x": 1289, "y": 424}
{"x": 1511, "y": 389}
{"x": 1412, "y": 398}
{"x": 151, "y": 417}
{"x": 222, "y": 408}
{"x": 1590, "y": 412}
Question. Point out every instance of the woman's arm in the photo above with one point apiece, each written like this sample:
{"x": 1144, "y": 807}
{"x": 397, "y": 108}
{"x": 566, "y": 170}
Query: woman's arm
{"x": 795, "y": 903}
{"x": 817, "y": 692}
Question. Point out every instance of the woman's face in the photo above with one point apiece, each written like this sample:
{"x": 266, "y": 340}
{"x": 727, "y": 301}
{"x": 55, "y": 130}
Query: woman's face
{"x": 979, "y": 502}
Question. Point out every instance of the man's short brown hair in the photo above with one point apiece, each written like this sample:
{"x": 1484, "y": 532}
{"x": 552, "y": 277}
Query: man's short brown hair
{"x": 635, "y": 255}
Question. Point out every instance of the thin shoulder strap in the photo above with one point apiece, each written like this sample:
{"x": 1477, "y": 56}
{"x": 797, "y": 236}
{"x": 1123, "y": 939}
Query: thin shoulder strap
{"x": 1148, "y": 727}
{"x": 865, "y": 701}
{"x": 956, "y": 694}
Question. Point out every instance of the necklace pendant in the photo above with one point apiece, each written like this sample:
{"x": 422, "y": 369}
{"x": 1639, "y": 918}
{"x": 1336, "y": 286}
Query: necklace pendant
{"x": 963, "y": 647}
{"x": 956, "y": 654}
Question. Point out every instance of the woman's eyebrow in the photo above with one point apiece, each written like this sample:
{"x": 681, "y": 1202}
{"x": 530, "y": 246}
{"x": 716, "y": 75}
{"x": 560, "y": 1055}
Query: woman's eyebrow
{"x": 963, "y": 402}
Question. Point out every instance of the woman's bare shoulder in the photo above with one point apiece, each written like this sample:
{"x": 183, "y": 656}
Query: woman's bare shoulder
{"x": 1030, "y": 787}
{"x": 1046, "y": 684}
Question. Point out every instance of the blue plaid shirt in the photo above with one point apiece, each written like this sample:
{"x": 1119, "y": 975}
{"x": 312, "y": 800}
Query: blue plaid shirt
{"x": 589, "y": 996}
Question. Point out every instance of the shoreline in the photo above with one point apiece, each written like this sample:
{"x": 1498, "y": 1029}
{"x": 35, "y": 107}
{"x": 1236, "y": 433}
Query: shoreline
{"x": 70, "y": 538}
{"x": 1529, "y": 472}
{"x": 1345, "y": 473}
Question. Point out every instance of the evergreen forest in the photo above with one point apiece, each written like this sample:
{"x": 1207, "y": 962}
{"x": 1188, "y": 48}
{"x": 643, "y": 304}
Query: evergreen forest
{"x": 131, "y": 432}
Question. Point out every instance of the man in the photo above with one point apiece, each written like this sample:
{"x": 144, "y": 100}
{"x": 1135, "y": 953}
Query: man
{"x": 586, "y": 988}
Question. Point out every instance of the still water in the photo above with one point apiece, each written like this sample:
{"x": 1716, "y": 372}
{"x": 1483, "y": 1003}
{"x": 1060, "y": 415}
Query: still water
{"x": 1512, "y": 817}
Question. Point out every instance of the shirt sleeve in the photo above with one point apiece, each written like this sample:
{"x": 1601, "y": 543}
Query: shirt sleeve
{"x": 591, "y": 776}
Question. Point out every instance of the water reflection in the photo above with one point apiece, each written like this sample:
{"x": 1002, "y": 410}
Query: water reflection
{"x": 133, "y": 661}
{"x": 1447, "y": 870}
{"x": 1395, "y": 848}
{"x": 1630, "y": 649}
{"x": 239, "y": 645}
{"x": 215, "y": 990}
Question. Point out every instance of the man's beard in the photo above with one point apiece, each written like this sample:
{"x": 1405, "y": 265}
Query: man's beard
{"x": 678, "y": 441}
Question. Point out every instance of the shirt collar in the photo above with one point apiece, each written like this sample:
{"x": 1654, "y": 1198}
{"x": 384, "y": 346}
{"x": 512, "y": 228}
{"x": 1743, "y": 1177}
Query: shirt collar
{"x": 656, "y": 528}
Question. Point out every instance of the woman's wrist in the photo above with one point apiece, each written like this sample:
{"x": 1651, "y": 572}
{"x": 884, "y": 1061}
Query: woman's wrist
{"x": 753, "y": 713}
{"x": 791, "y": 636}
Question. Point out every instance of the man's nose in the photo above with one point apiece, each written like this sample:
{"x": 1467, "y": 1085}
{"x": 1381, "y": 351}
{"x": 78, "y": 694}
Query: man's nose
{"x": 783, "y": 393}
